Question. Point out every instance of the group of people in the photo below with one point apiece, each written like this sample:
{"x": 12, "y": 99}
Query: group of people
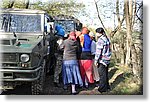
{"x": 82, "y": 60}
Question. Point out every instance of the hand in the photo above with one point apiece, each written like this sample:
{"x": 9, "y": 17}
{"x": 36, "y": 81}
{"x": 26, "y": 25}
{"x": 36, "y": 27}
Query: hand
{"x": 95, "y": 63}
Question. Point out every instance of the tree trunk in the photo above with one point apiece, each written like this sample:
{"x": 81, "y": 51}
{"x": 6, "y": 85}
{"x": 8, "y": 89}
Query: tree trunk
{"x": 135, "y": 67}
{"x": 27, "y": 4}
{"x": 122, "y": 51}
{"x": 121, "y": 45}
{"x": 128, "y": 19}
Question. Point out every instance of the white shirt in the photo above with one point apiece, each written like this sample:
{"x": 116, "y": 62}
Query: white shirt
{"x": 93, "y": 47}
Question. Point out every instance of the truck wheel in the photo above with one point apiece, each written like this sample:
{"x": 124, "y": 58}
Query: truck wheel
{"x": 37, "y": 87}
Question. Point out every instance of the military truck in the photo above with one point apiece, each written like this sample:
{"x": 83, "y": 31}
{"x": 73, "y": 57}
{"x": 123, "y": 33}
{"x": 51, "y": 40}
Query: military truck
{"x": 25, "y": 49}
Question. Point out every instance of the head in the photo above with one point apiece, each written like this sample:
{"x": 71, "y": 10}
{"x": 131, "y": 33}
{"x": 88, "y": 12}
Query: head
{"x": 85, "y": 30}
{"x": 92, "y": 35}
{"x": 78, "y": 33}
{"x": 60, "y": 30}
{"x": 72, "y": 36}
{"x": 100, "y": 31}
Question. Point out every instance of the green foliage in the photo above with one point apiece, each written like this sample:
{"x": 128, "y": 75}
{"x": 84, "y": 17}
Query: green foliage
{"x": 136, "y": 35}
{"x": 6, "y": 4}
{"x": 66, "y": 7}
{"x": 118, "y": 37}
{"x": 15, "y": 4}
{"x": 20, "y": 4}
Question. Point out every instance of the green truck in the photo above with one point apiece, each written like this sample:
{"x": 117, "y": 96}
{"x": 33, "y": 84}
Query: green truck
{"x": 25, "y": 50}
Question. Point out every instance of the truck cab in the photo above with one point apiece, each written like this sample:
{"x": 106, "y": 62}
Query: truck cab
{"x": 25, "y": 50}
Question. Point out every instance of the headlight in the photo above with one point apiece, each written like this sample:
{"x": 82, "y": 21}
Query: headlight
{"x": 24, "y": 58}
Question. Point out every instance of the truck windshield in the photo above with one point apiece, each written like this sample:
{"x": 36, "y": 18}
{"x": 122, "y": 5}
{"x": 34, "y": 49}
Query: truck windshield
{"x": 20, "y": 23}
{"x": 68, "y": 25}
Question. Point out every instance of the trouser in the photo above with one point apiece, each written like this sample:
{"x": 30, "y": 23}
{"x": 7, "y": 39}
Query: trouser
{"x": 95, "y": 73}
{"x": 103, "y": 81}
{"x": 58, "y": 68}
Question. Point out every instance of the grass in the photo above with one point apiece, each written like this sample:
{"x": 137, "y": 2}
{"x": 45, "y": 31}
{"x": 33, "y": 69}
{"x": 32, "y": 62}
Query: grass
{"x": 123, "y": 82}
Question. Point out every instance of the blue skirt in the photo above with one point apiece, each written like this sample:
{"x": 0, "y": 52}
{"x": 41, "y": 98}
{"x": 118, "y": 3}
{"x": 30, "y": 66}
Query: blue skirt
{"x": 71, "y": 73}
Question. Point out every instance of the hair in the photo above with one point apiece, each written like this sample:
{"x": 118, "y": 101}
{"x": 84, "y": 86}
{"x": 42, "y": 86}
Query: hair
{"x": 100, "y": 30}
{"x": 83, "y": 30}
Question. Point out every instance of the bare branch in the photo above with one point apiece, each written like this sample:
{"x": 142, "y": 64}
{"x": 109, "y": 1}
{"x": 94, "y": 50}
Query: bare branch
{"x": 117, "y": 10}
{"x": 99, "y": 15}
{"x": 134, "y": 15}
{"x": 120, "y": 21}
{"x": 11, "y": 3}
{"x": 140, "y": 6}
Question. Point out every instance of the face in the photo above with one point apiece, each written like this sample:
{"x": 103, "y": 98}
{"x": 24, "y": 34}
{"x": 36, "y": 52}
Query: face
{"x": 98, "y": 34}
{"x": 78, "y": 33}
{"x": 72, "y": 37}
{"x": 85, "y": 30}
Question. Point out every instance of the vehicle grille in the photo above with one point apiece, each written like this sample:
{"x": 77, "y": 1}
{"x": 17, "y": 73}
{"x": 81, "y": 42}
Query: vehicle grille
{"x": 9, "y": 57}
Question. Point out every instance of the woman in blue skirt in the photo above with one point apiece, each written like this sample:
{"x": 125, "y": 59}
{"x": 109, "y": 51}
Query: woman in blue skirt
{"x": 71, "y": 73}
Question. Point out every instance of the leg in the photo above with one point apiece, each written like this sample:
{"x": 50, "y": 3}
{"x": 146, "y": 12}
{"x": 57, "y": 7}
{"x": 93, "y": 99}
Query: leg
{"x": 103, "y": 82}
{"x": 108, "y": 86}
{"x": 82, "y": 70}
{"x": 88, "y": 66}
{"x": 58, "y": 69}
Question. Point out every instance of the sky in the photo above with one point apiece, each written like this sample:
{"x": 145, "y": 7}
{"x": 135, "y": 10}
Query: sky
{"x": 92, "y": 19}
{"x": 106, "y": 10}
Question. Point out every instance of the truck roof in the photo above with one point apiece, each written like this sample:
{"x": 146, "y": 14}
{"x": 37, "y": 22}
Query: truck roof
{"x": 16, "y": 10}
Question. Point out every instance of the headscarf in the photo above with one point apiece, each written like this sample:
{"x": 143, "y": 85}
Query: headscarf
{"x": 72, "y": 36}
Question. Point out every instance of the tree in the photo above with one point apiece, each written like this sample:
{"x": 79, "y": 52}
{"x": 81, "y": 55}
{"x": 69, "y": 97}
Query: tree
{"x": 67, "y": 7}
{"x": 98, "y": 14}
{"x": 133, "y": 55}
{"x": 7, "y": 3}
{"x": 128, "y": 18}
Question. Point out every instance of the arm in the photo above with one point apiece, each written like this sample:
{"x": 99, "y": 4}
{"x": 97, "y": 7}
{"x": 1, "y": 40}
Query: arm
{"x": 99, "y": 48}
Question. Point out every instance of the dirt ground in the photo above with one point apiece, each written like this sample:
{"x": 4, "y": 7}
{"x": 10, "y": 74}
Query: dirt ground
{"x": 121, "y": 83}
{"x": 50, "y": 89}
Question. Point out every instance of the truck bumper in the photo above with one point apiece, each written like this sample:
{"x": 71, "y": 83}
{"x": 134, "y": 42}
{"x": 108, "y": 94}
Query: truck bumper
{"x": 10, "y": 75}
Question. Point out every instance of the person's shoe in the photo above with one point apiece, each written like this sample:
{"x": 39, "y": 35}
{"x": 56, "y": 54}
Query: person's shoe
{"x": 86, "y": 86}
{"x": 96, "y": 84}
{"x": 108, "y": 88}
{"x": 74, "y": 93}
{"x": 102, "y": 91}
{"x": 56, "y": 84}
{"x": 65, "y": 87}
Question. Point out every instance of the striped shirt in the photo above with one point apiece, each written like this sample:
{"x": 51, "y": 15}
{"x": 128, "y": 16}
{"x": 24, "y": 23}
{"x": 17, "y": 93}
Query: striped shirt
{"x": 103, "y": 51}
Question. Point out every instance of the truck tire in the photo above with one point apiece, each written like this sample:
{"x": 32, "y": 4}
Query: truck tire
{"x": 37, "y": 87}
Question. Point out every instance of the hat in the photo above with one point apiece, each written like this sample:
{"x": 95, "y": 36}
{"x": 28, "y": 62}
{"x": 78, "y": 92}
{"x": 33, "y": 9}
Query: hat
{"x": 60, "y": 30}
{"x": 99, "y": 30}
{"x": 91, "y": 34}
